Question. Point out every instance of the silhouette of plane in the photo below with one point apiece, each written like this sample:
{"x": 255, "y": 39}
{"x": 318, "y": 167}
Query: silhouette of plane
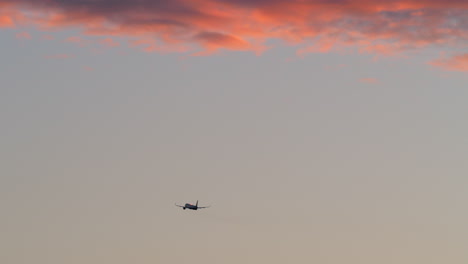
{"x": 191, "y": 206}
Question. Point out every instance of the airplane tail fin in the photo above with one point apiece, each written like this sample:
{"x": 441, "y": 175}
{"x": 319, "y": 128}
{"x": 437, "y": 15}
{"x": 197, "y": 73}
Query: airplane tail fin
{"x": 196, "y": 204}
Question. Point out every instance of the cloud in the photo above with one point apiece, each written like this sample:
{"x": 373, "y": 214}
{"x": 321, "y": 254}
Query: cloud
{"x": 6, "y": 21}
{"x": 212, "y": 41}
{"x": 78, "y": 40}
{"x": 151, "y": 45}
{"x": 371, "y": 26}
{"x": 23, "y": 35}
{"x": 454, "y": 63}
{"x": 108, "y": 42}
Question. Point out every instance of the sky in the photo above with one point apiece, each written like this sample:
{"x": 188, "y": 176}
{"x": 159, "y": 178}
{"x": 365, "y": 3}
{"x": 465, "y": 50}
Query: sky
{"x": 319, "y": 131}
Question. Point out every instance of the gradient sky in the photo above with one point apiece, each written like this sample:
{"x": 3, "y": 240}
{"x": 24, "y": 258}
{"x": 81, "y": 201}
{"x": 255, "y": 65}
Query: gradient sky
{"x": 324, "y": 132}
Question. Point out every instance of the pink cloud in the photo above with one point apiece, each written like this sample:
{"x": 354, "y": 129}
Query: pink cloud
{"x": 109, "y": 42}
{"x": 213, "y": 41}
{"x": 77, "y": 40}
{"x": 323, "y": 45}
{"x": 23, "y": 35}
{"x": 371, "y": 26}
{"x": 151, "y": 45}
{"x": 454, "y": 63}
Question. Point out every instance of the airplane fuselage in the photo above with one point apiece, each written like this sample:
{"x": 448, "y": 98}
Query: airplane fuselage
{"x": 190, "y": 206}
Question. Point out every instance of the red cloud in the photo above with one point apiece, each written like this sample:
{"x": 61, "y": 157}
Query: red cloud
{"x": 376, "y": 26}
{"x": 455, "y": 63}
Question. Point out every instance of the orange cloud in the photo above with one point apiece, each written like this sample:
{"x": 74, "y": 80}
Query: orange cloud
{"x": 213, "y": 41}
{"x": 371, "y": 26}
{"x": 6, "y": 21}
{"x": 455, "y": 63}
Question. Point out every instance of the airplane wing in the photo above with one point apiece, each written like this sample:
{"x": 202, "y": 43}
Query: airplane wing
{"x": 179, "y": 205}
{"x": 200, "y": 207}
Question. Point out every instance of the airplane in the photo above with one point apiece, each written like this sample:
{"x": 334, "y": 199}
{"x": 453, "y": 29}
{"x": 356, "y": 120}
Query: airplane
{"x": 191, "y": 206}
